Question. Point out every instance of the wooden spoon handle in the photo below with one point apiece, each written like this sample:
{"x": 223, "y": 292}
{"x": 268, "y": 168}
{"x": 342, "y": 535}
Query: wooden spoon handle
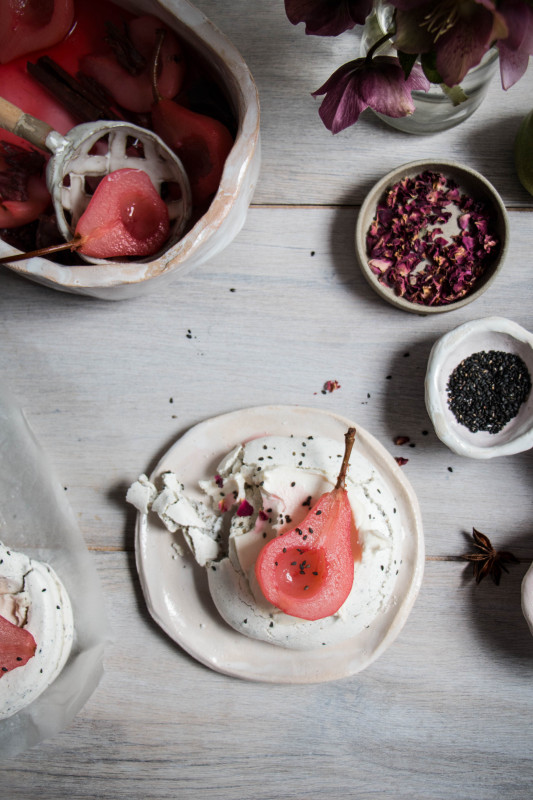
{"x": 13, "y": 119}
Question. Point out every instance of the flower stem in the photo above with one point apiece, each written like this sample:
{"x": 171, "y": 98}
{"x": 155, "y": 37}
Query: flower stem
{"x": 377, "y": 45}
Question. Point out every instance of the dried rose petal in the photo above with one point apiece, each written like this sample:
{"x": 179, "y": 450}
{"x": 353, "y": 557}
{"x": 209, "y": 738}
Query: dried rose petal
{"x": 409, "y": 251}
{"x": 330, "y": 386}
{"x": 245, "y": 509}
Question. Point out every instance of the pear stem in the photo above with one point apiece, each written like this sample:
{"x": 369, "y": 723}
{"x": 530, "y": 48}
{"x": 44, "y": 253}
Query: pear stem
{"x": 349, "y": 438}
{"x": 155, "y": 64}
{"x": 74, "y": 244}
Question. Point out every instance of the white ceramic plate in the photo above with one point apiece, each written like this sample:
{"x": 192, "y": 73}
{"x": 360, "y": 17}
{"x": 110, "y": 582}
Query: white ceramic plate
{"x": 176, "y": 590}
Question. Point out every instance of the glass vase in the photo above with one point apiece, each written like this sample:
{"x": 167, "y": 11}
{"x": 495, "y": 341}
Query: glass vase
{"x": 434, "y": 110}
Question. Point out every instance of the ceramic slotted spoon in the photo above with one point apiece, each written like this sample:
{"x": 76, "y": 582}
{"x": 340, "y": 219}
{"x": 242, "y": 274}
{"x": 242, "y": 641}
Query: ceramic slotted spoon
{"x": 95, "y": 149}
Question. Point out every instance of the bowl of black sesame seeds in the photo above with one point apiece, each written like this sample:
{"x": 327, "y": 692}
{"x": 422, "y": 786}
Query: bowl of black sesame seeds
{"x": 478, "y": 388}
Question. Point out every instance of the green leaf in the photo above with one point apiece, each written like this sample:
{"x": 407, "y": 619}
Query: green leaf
{"x": 428, "y": 61}
{"x": 407, "y": 61}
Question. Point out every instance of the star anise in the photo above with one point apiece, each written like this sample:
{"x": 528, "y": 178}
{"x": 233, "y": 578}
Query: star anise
{"x": 486, "y": 560}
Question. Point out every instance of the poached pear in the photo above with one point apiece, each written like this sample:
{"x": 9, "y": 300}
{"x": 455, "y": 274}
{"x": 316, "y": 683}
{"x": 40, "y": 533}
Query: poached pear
{"x": 308, "y": 571}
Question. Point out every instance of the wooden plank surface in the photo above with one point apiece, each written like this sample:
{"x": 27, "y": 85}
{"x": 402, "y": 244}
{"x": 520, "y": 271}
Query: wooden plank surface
{"x": 425, "y": 721}
{"x": 304, "y": 163}
{"x": 108, "y": 387}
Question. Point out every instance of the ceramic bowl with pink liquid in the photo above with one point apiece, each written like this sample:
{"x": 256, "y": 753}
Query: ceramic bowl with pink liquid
{"x": 226, "y": 214}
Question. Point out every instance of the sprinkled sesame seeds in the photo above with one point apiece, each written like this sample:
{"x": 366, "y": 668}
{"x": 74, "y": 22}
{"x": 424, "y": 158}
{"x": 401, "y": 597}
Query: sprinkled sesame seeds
{"x": 485, "y": 391}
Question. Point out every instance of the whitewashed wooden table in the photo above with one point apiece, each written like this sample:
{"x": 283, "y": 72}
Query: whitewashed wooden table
{"x": 107, "y": 387}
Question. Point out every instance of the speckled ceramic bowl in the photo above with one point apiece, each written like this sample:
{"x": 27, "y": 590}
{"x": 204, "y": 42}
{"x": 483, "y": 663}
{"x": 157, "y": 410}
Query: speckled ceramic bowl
{"x": 227, "y": 213}
{"x": 489, "y": 333}
{"x": 476, "y": 186}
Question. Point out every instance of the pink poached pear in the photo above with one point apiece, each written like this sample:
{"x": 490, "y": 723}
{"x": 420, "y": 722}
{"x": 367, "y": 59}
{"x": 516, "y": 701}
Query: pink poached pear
{"x": 125, "y": 217}
{"x": 308, "y": 571}
{"x": 134, "y": 91}
{"x": 23, "y": 192}
{"x": 202, "y": 143}
{"x": 32, "y": 25}
{"x": 17, "y": 646}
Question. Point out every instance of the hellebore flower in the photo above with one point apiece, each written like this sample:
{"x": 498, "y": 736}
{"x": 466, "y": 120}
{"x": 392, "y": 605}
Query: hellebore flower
{"x": 458, "y": 32}
{"x": 378, "y": 83}
{"x": 328, "y": 17}
{"x": 518, "y": 46}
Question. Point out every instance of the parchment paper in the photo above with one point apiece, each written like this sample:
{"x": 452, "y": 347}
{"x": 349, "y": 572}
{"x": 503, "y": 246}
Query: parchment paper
{"x": 36, "y": 518}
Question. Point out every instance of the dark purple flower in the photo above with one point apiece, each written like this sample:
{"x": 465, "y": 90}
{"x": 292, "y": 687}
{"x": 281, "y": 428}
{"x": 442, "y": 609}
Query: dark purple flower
{"x": 459, "y": 32}
{"x": 328, "y": 17}
{"x": 377, "y": 83}
{"x": 518, "y": 46}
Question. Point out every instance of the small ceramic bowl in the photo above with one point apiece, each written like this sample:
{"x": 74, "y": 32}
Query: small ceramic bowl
{"x": 226, "y": 214}
{"x": 475, "y": 186}
{"x": 527, "y": 597}
{"x": 489, "y": 333}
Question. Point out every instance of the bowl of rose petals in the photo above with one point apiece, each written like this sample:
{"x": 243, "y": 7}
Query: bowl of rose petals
{"x": 431, "y": 236}
{"x": 138, "y": 66}
{"x": 478, "y": 388}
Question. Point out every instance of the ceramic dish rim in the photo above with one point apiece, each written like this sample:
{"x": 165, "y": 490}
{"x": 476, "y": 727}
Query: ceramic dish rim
{"x": 288, "y": 662}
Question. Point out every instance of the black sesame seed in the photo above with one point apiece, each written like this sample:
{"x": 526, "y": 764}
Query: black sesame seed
{"x": 485, "y": 391}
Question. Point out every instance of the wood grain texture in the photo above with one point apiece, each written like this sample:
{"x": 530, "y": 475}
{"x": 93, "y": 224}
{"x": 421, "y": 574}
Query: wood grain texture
{"x": 445, "y": 713}
{"x": 109, "y": 386}
{"x": 425, "y": 721}
{"x": 304, "y": 163}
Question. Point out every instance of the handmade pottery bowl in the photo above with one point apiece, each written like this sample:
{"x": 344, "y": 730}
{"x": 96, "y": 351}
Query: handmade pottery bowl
{"x": 226, "y": 214}
{"x": 527, "y": 597}
{"x": 471, "y": 183}
{"x": 489, "y": 333}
